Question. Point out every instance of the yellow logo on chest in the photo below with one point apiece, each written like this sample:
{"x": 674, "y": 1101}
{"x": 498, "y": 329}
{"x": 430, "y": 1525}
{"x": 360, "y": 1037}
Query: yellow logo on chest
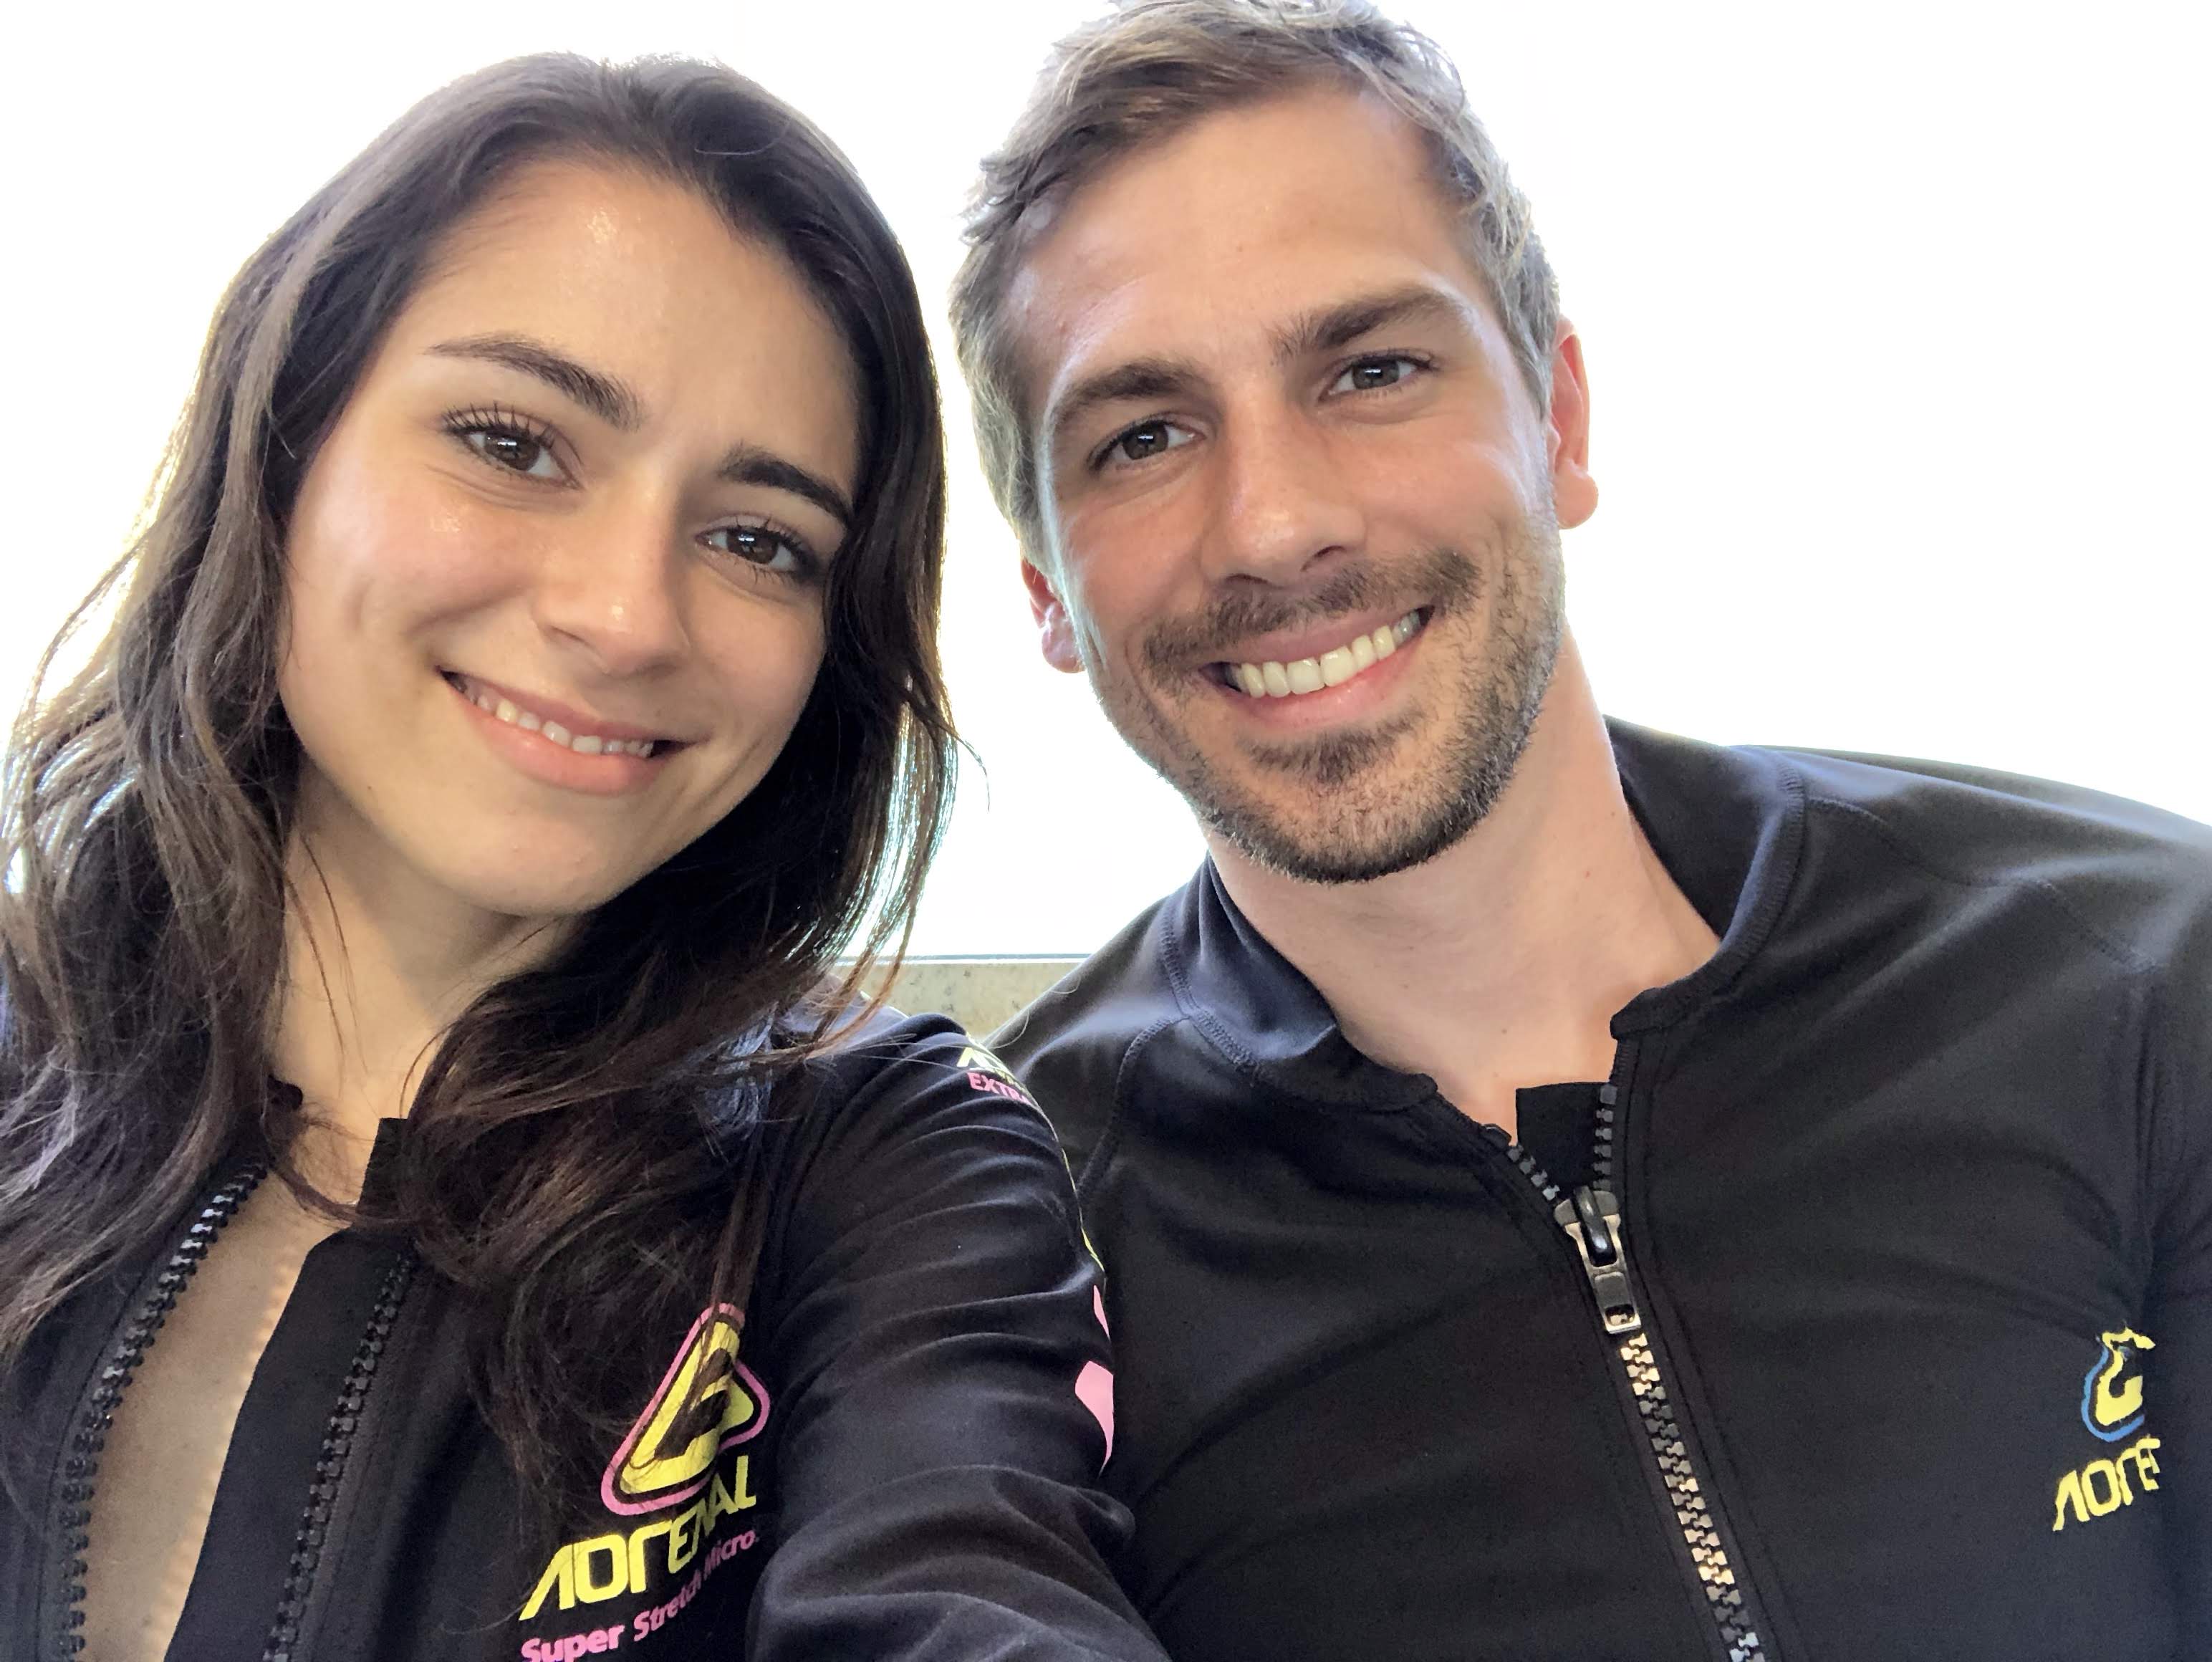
{"x": 2112, "y": 1410}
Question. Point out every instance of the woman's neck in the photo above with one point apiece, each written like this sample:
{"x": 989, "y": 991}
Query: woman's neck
{"x": 379, "y": 962}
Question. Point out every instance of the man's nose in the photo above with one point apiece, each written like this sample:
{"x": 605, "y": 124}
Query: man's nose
{"x": 611, "y": 591}
{"x": 1285, "y": 503}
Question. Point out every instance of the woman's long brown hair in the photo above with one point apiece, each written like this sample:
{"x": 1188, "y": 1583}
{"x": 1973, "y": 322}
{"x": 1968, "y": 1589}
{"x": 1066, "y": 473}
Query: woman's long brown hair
{"x": 559, "y": 1167}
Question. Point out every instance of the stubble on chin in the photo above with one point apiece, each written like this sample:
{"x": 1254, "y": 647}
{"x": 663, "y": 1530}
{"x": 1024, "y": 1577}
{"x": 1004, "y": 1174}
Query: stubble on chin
{"x": 1351, "y": 807}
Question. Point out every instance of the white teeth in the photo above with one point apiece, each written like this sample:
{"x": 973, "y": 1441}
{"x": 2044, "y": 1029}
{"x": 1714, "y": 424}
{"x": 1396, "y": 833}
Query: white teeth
{"x": 584, "y": 743}
{"x": 1332, "y": 668}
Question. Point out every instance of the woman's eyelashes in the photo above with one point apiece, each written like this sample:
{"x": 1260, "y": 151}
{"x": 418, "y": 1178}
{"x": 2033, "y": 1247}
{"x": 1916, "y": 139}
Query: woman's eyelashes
{"x": 509, "y": 440}
{"x": 764, "y": 546}
{"x": 517, "y": 444}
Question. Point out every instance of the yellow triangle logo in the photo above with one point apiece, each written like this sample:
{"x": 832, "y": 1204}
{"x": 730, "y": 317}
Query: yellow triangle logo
{"x": 975, "y": 1056}
{"x": 708, "y": 1401}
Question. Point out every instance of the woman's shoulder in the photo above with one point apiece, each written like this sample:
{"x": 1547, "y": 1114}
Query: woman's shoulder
{"x": 882, "y": 1065}
{"x": 896, "y": 1076}
{"x": 892, "y": 1109}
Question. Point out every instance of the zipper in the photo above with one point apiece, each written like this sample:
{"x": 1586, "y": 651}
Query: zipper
{"x": 284, "y": 1644}
{"x": 96, "y": 1414}
{"x": 1589, "y": 1216}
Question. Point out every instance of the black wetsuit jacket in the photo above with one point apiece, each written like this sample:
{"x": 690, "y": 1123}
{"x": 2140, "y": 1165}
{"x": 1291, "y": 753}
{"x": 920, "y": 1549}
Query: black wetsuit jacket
{"x": 1883, "y": 1327}
{"x": 898, "y": 1461}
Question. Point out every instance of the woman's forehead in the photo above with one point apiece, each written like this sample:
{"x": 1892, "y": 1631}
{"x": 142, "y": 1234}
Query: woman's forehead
{"x": 645, "y": 280}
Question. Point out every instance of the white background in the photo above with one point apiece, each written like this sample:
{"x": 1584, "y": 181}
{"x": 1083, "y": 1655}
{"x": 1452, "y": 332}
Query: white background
{"x": 1896, "y": 318}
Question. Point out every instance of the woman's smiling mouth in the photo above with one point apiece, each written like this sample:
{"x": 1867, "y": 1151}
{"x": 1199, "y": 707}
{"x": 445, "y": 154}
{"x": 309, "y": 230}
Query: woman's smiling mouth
{"x": 584, "y": 735}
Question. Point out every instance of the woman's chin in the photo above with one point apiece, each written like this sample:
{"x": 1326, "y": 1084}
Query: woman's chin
{"x": 540, "y": 887}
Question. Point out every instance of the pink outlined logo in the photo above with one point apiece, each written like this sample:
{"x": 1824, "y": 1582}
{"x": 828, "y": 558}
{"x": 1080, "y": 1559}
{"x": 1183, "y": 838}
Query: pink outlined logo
{"x": 707, "y": 1402}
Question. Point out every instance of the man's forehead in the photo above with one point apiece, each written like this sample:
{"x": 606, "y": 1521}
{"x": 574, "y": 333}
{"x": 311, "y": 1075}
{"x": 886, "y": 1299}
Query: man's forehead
{"x": 1229, "y": 228}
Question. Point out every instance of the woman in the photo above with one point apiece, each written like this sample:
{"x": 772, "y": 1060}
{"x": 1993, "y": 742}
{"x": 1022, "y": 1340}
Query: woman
{"x": 440, "y": 1212}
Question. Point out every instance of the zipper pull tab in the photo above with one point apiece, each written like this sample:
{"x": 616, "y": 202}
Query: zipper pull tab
{"x": 1591, "y": 1218}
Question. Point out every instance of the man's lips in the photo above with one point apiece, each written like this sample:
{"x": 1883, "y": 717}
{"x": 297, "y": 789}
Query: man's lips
{"x": 1327, "y": 661}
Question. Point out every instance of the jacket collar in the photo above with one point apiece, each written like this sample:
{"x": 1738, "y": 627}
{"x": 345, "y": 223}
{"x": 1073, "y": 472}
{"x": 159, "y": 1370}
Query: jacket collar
{"x": 1728, "y": 825}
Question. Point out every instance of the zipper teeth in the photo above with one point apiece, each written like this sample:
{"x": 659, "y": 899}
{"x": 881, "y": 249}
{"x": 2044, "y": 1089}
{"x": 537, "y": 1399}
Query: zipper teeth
{"x": 330, "y": 1461}
{"x": 1609, "y": 1109}
{"x": 1715, "y": 1574}
{"x": 89, "y": 1439}
{"x": 1525, "y": 1163}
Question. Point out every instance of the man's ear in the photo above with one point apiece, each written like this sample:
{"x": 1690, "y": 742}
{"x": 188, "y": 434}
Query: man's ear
{"x": 1574, "y": 492}
{"x": 1055, "y": 634}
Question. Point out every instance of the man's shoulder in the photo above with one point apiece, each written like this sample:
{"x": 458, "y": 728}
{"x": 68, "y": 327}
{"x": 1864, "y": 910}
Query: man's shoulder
{"x": 2141, "y": 875}
{"x": 1069, "y": 1046}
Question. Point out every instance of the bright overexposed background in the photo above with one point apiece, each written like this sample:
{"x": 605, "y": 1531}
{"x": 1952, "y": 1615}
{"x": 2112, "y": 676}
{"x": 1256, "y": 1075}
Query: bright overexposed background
{"x": 1896, "y": 316}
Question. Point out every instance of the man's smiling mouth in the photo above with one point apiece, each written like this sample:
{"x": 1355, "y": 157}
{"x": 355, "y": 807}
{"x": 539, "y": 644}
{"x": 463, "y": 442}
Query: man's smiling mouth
{"x": 1331, "y": 668}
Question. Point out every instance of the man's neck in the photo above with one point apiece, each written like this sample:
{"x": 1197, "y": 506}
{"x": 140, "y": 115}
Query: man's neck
{"x": 1500, "y": 962}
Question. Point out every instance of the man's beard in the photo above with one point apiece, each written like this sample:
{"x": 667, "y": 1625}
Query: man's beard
{"x": 1366, "y": 803}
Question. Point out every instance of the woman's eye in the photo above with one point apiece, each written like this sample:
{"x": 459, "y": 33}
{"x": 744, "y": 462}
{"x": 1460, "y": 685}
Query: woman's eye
{"x": 517, "y": 452}
{"x": 1373, "y": 375}
{"x": 1142, "y": 444}
{"x": 769, "y": 549}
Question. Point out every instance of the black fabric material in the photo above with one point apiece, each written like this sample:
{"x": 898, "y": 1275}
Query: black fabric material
{"x": 1934, "y": 1118}
{"x": 916, "y": 1478}
{"x": 1558, "y": 1125}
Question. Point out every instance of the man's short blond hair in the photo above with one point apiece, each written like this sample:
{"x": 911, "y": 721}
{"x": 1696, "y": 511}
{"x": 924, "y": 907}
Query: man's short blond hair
{"x": 1148, "y": 69}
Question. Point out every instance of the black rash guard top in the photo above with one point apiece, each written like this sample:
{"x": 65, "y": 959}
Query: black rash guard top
{"x": 1863, "y": 1313}
{"x": 891, "y": 1453}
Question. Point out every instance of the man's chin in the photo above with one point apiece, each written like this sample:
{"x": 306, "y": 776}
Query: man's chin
{"x": 1355, "y": 806}
{"x": 1332, "y": 846}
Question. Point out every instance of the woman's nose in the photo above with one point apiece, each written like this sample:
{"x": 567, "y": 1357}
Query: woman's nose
{"x": 613, "y": 590}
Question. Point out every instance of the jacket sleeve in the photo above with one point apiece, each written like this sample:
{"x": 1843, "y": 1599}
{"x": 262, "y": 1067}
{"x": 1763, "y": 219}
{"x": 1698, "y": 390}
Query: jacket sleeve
{"x": 2180, "y": 1313}
{"x": 931, "y": 1309}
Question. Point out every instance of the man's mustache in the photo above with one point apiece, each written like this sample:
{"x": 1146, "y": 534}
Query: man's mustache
{"x": 1443, "y": 579}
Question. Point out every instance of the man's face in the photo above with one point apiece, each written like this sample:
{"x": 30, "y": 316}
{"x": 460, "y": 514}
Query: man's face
{"x": 1300, "y": 512}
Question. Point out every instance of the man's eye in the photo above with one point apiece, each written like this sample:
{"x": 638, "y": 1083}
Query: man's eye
{"x": 1141, "y": 443}
{"x": 517, "y": 452}
{"x": 1373, "y": 375}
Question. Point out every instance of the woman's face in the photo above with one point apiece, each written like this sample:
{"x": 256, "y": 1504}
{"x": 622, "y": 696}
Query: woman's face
{"x": 555, "y": 580}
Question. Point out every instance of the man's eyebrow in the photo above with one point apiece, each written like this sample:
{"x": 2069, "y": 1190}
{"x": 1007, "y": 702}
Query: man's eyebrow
{"x": 1140, "y": 378}
{"x": 750, "y": 465}
{"x": 605, "y": 396}
{"x": 1332, "y": 327}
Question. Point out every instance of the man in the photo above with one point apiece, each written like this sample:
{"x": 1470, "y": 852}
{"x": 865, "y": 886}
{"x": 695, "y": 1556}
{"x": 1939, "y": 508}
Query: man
{"x": 1566, "y": 1191}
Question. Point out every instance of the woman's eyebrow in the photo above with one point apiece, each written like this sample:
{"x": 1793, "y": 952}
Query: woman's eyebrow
{"x": 607, "y": 397}
{"x": 748, "y": 464}
{"x": 612, "y": 401}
